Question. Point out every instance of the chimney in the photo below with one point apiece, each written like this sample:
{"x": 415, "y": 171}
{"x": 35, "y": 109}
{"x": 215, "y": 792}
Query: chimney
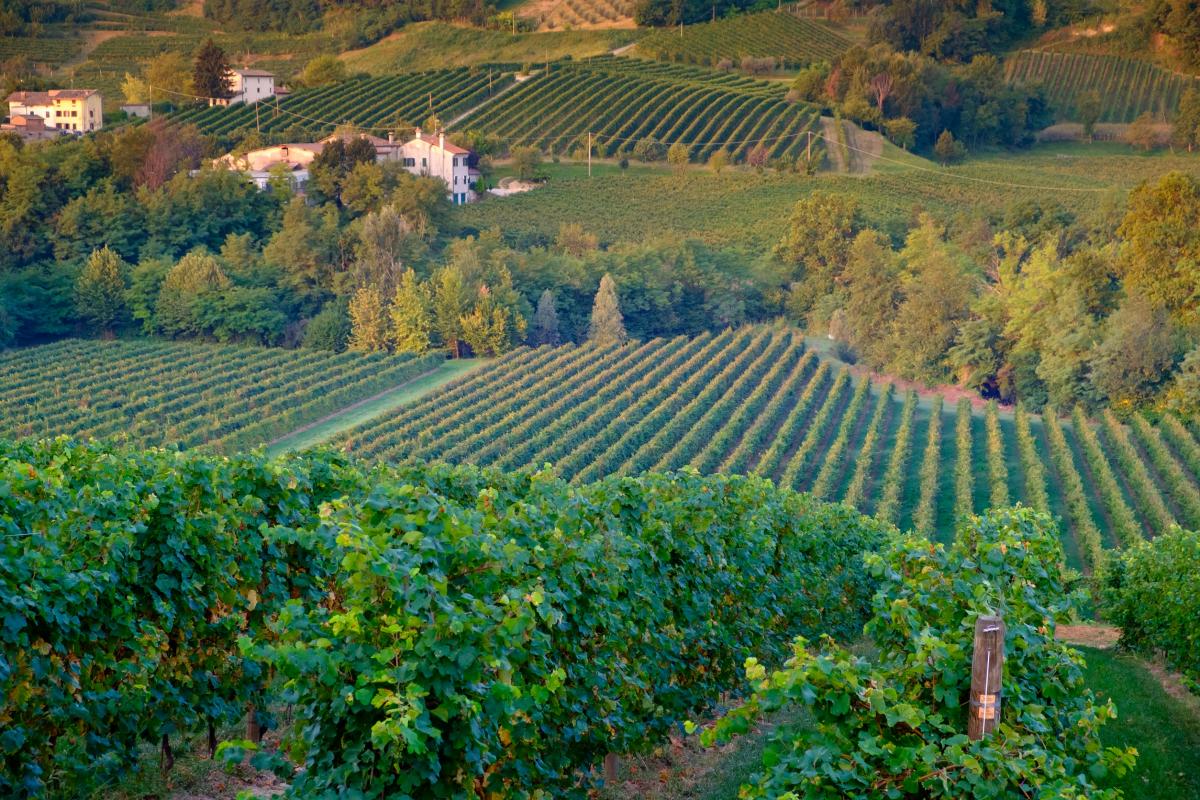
{"x": 442, "y": 140}
{"x": 391, "y": 137}
{"x": 417, "y": 133}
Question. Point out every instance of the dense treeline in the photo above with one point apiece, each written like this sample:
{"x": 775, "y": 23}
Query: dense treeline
{"x": 110, "y": 235}
{"x": 915, "y": 99}
{"x": 1044, "y": 312}
{"x": 523, "y": 655}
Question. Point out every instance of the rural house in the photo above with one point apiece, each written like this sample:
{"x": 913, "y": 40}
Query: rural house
{"x": 428, "y": 155}
{"x": 423, "y": 155}
{"x": 74, "y": 110}
{"x": 247, "y": 86}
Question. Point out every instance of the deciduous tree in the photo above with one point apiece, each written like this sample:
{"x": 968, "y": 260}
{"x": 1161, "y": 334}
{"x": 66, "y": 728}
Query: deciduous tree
{"x": 412, "y": 317}
{"x": 100, "y": 292}
{"x": 368, "y": 321}
{"x": 607, "y": 325}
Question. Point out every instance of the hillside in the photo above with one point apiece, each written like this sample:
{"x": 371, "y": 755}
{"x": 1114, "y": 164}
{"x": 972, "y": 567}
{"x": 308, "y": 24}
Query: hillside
{"x": 1127, "y": 87}
{"x": 792, "y": 41}
{"x": 437, "y": 45}
{"x": 757, "y": 401}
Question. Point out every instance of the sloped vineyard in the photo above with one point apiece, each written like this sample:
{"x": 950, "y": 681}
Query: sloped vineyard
{"x": 756, "y": 401}
{"x": 790, "y": 40}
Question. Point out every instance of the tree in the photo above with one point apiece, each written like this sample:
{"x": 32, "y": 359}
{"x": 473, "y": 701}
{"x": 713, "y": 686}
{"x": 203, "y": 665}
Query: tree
{"x": 545, "y": 322}
{"x": 1186, "y": 132}
{"x": 573, "y": 240}
{"x": 881, "y": 87}
{"x": 816, "y": 246}
{"x": 322, "y": 70}
{"x": 1087, "y": 109}
{"x": 947, "y": 149}
{"x": 902, "y": 131}
{"x": 450, "y": 303}
{"x": 328, "y": 330}
{"x": 1142, "y": 132}
{"x": 526, "y": 161}
{"x": 169, "y": 77}
{"x": 177, "y": 310}
{"x": 677, "y": 155}
{"x": 872, "y": 295}
{"x": 1138, "y": 353}
{"x": 1161, "y": 255}
{"x": 491, "y": 329}
{"x": 607, "y": 325}
{"x": 412, "y": 320}
{"x": 718, "y": 161}
{"x": 210, "y": 74}
{"x": 100, "y": 292}
{"x": 135, "y": 89}
{"x": 368, "y": 321}
{"x": 648, "y": 150}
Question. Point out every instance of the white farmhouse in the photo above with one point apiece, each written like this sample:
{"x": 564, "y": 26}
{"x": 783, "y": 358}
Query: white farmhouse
{"x": 435, "y": 157}
{"x": 247, "y": 86}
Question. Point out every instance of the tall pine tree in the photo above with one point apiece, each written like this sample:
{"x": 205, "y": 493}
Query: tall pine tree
{"x": 412, "y": 321}
{"x": 607, "y": 326}
{"x": 210, "y": 75}
{"x": 100, "y": 292}
{"x": 545, "y": 321}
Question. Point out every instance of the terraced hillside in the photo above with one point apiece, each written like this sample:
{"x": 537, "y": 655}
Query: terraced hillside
{"x": 154, "y": 393}
{"x": 623, "y": 101}
{"x": 373, "y": 104}
{"x": 1127, "y": 87}
{"x": 755, "y": 400}
{"x": 790, "y": 40}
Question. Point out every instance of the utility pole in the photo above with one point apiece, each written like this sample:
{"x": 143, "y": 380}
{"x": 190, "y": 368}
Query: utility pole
{"x": 589, "y": 154}
{"x": 808, "y": 149}
{"x": 257, "y": 129}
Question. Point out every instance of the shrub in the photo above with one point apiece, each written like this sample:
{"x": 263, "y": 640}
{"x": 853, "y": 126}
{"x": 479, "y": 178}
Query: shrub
{"x": 896, "y": 727}
{"x": 1152, "y": 591}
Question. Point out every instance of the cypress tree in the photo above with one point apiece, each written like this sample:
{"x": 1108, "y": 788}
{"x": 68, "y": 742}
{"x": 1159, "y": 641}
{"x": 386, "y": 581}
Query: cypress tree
{"x": 210, "y": 76}
{"x": 607, "y": 326}
{"x": 100, "y": 291}
{"x": 412, "y": 322}
{"x": 545, "y": 321}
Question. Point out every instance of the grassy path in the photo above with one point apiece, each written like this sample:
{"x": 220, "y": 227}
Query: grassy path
{"x": 341, "y": 421}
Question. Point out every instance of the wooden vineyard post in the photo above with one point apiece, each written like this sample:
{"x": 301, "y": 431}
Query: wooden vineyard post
{"x": 987, "y": 668}
{"x": 610, "y": 769}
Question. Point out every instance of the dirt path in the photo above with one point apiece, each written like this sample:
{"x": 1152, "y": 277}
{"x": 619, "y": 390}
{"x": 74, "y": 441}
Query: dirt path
{"x": 331, "y": 425}
{"x": 486, "y": 102}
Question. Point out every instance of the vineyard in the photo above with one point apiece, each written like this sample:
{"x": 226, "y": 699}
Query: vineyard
{"x": 756, "y": 401}
{"x": 620, "y": 103}
{"x": 1127, "y": 87}
{"x": 370, "y": 103}
{"x": 790, "y": 40}
{"x": 577, "y": 14}
{"x": 150, "y": 393}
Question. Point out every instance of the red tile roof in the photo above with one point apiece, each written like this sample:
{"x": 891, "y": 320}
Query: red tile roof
{"x": 449, "y": 147}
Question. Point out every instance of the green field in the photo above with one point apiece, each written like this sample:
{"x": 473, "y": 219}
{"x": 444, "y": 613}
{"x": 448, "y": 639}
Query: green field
{"x": 790, "y": 40}
{"x": 620, "y": 103}
{"x": 438, "y": 45}
{"x": 756, "y": 400}
{"x": 1127, "y": 87}
{"x": 745, "y": 209}
{"x": 154, "y": 393}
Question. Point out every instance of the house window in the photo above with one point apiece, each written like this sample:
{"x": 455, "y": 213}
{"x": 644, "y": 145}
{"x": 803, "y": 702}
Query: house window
{"x": 410, "y": 162}
{"x": 424, "y": 162}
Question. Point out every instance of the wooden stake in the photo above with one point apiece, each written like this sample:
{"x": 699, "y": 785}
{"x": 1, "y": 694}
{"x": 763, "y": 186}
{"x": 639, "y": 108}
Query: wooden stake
{"x": 610, "y": 769}
{"x": 987, "y": 670}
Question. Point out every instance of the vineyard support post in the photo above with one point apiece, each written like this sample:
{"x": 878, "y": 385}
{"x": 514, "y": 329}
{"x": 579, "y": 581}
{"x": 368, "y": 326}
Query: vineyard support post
{"x": 610, "y": 769}
{"x": 987, "y": 670}
{"x": 589, "y": 154}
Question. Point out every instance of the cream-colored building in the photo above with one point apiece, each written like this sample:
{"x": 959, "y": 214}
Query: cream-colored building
{"x": 247, "y": 86}
{"x": 435, "y": 157}
{"x": 74, "y": 110}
